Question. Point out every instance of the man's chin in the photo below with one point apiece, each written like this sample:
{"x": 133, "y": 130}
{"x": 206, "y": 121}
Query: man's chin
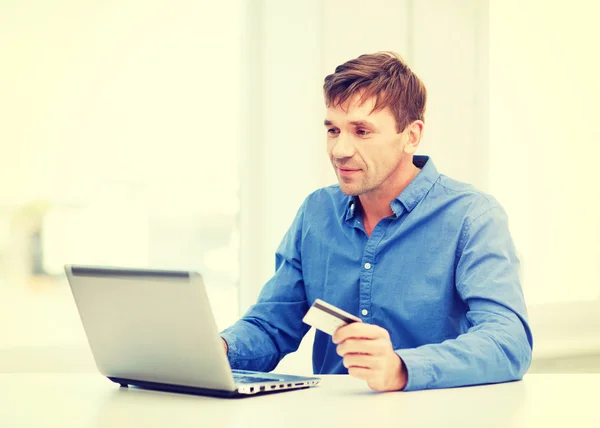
{"x": 350, "y": 190}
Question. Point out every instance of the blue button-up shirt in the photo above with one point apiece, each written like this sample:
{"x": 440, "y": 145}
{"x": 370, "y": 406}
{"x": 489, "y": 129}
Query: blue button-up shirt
{"x": 441, "y": 274}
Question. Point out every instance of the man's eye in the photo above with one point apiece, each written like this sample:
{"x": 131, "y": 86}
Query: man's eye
{"x": 332, "y": 131}
{"x": 362, "y": 132}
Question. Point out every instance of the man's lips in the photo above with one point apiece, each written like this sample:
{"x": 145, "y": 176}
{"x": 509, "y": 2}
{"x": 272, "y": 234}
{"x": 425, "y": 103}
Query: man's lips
{"x": 347, "y": 171}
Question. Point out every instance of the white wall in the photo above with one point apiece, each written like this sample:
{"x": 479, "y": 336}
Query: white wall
{"x": 124, "y": 109}
{"x": 543, "y": 161}
{"x": 82, "y": 82}
{"x": 282, "y": 158}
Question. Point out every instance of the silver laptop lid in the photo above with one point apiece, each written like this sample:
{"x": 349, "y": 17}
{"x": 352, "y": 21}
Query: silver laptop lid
{"x": 150, "y": 325}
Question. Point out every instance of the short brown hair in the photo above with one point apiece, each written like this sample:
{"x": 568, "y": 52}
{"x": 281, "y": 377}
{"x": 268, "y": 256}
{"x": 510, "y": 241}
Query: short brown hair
{"x": 385, "y": 76}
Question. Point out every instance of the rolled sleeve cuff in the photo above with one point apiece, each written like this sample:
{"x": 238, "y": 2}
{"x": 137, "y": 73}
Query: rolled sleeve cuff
{"x": 232, "y": 350}
{"x": 418, "y": 367}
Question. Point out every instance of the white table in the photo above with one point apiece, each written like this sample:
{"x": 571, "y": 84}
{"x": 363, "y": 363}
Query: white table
{"x": 89, "y": 400}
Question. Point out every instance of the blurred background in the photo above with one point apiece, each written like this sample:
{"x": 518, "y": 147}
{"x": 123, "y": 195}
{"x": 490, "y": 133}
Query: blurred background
{"x": 186, "y": 134}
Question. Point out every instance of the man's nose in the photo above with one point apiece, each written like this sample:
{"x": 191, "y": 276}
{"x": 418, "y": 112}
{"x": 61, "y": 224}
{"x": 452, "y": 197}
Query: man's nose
{"x": 343, "y": 147}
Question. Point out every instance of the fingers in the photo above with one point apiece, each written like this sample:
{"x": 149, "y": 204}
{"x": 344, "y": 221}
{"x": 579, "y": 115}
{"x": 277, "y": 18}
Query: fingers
{"x": 359, "y": 373}
{"x": 361, "y": 361}
{"x": 368, "y": 354}
{"x": 362, "y": 346}
{"x": 359, "y": 330}
{"x": 382, "y": 373}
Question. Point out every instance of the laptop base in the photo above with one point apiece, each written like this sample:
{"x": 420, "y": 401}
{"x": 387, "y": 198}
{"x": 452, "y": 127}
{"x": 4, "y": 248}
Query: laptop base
{"x": 183, "y": 389}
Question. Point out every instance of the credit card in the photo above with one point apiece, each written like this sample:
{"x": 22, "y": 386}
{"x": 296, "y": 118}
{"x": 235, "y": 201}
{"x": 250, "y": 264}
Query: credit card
{"x": 328, "y": 318}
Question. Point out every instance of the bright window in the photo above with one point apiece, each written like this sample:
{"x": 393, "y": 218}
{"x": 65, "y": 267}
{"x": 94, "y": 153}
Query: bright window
{"x": 119, "y": 146}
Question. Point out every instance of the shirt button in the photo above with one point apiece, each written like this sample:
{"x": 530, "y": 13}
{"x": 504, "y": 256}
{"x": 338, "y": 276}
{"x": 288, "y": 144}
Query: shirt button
{"x": 364, "y": 312}
{"x": 367, "y": 266}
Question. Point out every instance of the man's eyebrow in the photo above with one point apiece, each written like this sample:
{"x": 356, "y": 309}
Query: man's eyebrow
{"x": 365, "y": 123}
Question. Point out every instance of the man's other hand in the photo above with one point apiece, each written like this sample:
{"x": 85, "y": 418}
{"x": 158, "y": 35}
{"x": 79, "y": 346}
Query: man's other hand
{"x": 369, "y": 355}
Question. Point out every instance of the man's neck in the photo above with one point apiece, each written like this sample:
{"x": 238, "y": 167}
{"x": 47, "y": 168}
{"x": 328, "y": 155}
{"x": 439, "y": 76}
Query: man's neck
{"x": 376, "y": 205}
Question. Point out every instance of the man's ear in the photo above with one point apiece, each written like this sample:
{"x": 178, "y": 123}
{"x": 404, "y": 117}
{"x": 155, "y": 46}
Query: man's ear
{"x": 414, "y": 132}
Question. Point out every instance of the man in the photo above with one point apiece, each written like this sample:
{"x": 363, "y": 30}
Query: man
{"x": 426, "y": 262}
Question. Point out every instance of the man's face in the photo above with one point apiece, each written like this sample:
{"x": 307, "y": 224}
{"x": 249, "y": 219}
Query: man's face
{"x": 364, "y": 147}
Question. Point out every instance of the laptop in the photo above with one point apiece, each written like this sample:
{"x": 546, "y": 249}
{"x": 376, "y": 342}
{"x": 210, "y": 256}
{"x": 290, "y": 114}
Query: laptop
{"x": 155, "y": 329}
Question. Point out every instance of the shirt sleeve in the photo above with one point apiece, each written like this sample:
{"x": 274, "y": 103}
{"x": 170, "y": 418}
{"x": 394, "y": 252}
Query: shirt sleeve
{"x": 273, "y": 327}
{"x": 498, "y": 344}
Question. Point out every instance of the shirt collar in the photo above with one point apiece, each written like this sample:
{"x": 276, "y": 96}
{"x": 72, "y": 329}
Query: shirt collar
{"x": 411, "y": 195}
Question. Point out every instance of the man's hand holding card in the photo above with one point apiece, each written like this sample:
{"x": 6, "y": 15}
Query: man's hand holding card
{"x": 366, "y": 348}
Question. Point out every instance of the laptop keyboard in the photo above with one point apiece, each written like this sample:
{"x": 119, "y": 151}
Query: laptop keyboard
{"x": 251, "y": 378}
